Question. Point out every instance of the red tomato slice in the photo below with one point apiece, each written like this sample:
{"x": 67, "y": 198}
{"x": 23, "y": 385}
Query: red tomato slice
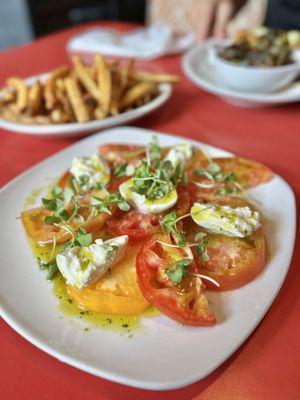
{"x": 249, "y": 173}
{"x": 134, "y": 224}
{"x": 202, "y": 195}
{"x": 184, "y": 302}
{"x": 199, "y": 159}
{"x": 233, "y": 262}
{"x": 119, "y": 153}
{"x": 64, "y": 180}
{"x": 183, "y": 204}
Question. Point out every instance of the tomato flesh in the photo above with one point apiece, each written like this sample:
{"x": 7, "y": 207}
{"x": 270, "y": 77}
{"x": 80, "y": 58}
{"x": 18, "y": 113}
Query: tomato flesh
{"x": 249, "y": 173}
{"x": 233, "y": 262}
{"x": 134, "y": 224}
{"x": 185, "y": 302}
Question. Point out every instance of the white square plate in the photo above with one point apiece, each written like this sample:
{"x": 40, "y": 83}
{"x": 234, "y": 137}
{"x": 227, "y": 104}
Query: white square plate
{"x": 163, "y": 354}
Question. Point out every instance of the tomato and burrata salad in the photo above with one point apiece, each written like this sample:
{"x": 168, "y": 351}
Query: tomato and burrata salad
{"x": 131, "y": 227}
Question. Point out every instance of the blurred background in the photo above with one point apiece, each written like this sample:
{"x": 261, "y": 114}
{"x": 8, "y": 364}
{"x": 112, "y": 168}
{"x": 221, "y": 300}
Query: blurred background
{"x": 34, "y": 18}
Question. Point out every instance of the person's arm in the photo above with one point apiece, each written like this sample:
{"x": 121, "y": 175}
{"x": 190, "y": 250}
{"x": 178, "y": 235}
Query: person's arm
{"x": 211, "y": 17}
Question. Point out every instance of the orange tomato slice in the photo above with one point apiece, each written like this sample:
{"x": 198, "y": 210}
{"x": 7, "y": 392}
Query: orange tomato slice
{"x": 116, "y": 293}
{"x": 39, "y": 231}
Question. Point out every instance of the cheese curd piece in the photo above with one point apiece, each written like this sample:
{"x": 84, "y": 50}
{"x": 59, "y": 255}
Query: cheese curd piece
{"x": 179, "y": 154}
{"x": 81, "y": 266}
{"x": 238, "y": 222}
{"x": 144, "y": 205}
{"x": 90, "y": 171}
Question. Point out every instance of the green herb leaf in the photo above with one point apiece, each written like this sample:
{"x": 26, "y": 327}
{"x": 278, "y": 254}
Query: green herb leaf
{"x": 120, "y": 170}
{"x": 178, "y": 270}
{"x": 180, "y": 175}
{"x": 50, "y": 267}
{"x": 105, "y": 205}
{"x": 68, "y": 194}
{"x": 49, "y": 204}
{"x": 168, "y": 225}
{"x": 201, "y": 237}
{"x": 52, "y": 271}
{"x": 82, "y": 238}
{"x": 154, "y": 149}
{"x": 153, "y": 183}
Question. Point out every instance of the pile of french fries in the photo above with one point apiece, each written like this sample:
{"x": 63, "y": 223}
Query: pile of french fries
{"x": 80, "y": 93}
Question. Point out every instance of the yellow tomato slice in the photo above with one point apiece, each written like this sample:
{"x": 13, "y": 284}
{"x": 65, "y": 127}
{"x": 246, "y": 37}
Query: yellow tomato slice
{"x": 116, "y": 293}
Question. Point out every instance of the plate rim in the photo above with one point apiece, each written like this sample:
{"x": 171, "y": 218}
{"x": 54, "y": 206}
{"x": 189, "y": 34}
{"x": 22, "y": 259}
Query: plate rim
{"x": 115, "y": 376}
{"x": 80, "y": 129}
{"x": 263, "y": 99}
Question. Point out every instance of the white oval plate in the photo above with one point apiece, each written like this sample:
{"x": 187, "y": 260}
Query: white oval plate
{"x": 198, "y": 65}
{"x": 162, "y": 354}
{"x": 82, "y": 129}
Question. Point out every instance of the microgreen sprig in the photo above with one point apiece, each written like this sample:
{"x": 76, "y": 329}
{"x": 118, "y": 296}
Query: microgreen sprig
{"x": 106, "y": 205}
{"x": 81, "y": 238}
{"x": 169, "y": 226}
{"x": 51, "y": 267}
{"x": 56, "y": 203}
{"x": 178, "y": 270}
{"x": 120, "y": 169}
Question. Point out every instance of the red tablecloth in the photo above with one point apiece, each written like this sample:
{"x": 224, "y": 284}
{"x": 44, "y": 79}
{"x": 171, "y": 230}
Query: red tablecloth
{"x": 267, "y": 366}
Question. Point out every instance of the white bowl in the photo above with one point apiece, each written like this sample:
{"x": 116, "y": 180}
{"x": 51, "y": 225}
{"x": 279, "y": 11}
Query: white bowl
{"x": 254, "y": 79}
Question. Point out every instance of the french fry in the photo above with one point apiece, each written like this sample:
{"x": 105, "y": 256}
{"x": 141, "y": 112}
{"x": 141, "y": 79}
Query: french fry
{"x": 114, "y": 109}
{"x": 35, "y": 97}
{"x": 104, "y": 82}
{"x": 85, "y": 78}
{"x": 65, "y": 103}
{"x": 75, "y": 98}
{"x": 9, "y": 114}
{"x": 125, "y": 73}
{"x": 59, "y": 85}
{"x": 81, "y": 93}
{"x": 49, "y": 88}
{"x": 22, "y": 92}
{"x": 99, "y": 113}
{"x": 135, "y": 93}
{"x": 145, "y": 76}
{"x": 92, "y": 71}
{"x": 57, "y": 116}
{"x": 8, "y": 95}
{"x": 13, "y": 115}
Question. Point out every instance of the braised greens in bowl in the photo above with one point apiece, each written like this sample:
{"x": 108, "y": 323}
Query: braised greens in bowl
{"x": 269, "y": 49}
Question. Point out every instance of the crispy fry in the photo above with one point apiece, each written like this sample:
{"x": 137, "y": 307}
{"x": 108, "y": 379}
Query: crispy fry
{"x": 85, "y": 78}
{"x": 22, "y": 92}
{"x": 75, "y": 97}
{"x": 135, "y": 93}
{"x": 35, "y": 97}
{"x": 49, "y": 88}
{"x": 12, "y": 114}
{"x": 60, "y": 86}
{"x": 9, "y": 114}
{"x": 65, "y": 104}
{"x": 58, "y": 116}
{"x": 145, "y": 76}
{"x": 92, "y": 71}
{"x": 99, "y": 113}
{"x": 8, "y": 95}
{"x": 81, "y": 93}
{"x": 104, "y": 82}
{"x": 114, "y": 109}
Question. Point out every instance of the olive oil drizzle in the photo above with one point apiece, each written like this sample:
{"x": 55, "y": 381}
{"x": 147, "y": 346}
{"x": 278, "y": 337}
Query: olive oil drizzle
{"x": 68, "y": 307}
